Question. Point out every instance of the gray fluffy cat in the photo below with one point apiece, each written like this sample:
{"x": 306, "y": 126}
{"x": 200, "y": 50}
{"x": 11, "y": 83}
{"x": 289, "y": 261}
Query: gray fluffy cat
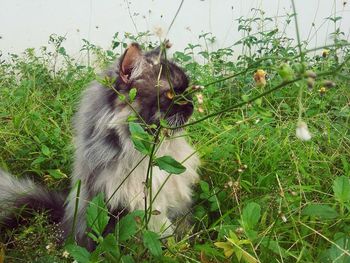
{"x": 105, "y": 154}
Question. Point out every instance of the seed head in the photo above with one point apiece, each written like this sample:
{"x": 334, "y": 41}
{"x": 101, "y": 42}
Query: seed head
{"x": 302, "y": 131}
{"x": 284, "y": 218}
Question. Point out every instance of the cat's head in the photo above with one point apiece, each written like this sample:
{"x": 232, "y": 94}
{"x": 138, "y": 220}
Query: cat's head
{"x": 161, "y": 86}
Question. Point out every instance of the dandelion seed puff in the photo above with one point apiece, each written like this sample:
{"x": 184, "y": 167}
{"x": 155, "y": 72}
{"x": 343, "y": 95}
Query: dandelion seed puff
{"x": 158, "y": 31}
{"x": 302, "y": 131}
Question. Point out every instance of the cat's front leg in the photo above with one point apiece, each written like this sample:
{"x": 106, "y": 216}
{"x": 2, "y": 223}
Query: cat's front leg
{"x": 161, "y": 224}
{"x": 158, "y": 220}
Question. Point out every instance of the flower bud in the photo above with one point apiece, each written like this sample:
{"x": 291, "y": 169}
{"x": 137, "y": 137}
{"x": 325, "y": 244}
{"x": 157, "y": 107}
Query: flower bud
{"x": 310, "y": 83}
{"x": 310, "y": 74}
{"x": 260, "y": 78}
{"x": 329, "y": 84}
{"x": 286, "y": 72}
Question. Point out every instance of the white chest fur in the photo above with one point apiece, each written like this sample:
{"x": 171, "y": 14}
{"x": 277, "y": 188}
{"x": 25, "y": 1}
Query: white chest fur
{"x": 126, "y": 188}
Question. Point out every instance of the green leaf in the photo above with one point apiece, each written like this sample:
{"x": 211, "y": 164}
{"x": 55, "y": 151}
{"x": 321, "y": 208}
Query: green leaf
{"x": 128, "y": 225}
{"x": 169, "y": 164}
{"x": 97, "y": 214}
{"x": 132, "y": 94}
{"x": 141, "y": 139}
{"x": 121, "y": 97}
{"x": 251, "y": 215}
{"x": 127, "y": 259}
{"x": 258, "y": 101}
{"x": 274, "y": 247}
{"x": 131, "y": 118}
{"x": 204, "y": 186}
{"x": 62, "y": 51}
{"x": 341, "y": 188}
{"x": 109, "y": 244}
{"x": 227, "y": 247}
{"x": 245, "y": 97}
{"x": 336, "y": 252}
{"x": 38, "y": 160}
{"x": 45, "y": 150}
{"x": 57, "y": 174}
{"x": 80, "y": 254}
{"x": 318, "y": 210}
{"x": 151, "y": 241}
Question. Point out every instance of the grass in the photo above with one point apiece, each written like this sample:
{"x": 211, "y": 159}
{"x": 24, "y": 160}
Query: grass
{"x": 264, "y": 195}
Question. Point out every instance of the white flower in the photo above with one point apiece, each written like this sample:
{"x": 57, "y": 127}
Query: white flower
{"x": 49, "y": 246}
{"x": 302, "y": 132}
{"x": 284, "y": 218}
{"x": 200, "y": 109}
{"x": 200, "y": 98}
{"x": 65, "y": 254}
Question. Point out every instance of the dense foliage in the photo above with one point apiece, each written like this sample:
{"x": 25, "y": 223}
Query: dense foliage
{"x": 265, "y": 195}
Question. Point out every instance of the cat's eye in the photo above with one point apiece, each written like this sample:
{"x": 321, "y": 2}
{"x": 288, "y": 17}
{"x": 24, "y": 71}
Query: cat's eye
{"x": 170, "y": 94}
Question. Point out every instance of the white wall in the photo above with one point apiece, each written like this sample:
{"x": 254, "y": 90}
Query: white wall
{"x": 28, "y": 23}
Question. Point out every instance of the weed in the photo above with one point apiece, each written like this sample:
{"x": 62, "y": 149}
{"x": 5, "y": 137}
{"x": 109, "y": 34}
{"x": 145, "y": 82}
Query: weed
{"x": 264, "y": 195}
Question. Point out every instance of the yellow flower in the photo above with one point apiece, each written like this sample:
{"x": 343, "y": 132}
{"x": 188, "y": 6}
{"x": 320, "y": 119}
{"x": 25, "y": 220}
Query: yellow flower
{"x": 325, "y": 53}
{"x": 322, "y": 90}
{"x": 260, "y": 78}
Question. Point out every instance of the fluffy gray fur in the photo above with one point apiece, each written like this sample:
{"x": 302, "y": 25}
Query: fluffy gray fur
{"x": 105, "y": 154}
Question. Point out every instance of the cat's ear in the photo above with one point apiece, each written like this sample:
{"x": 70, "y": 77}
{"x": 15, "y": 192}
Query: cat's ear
{"x": 129, "y": 60}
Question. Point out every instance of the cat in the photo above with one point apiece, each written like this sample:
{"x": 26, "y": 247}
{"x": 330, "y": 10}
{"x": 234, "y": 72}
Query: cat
{"x": 105, "y": 158}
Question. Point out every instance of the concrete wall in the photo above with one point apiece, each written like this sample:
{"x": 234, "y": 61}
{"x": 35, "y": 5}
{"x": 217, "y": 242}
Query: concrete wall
{"x": 28, "y": 23}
